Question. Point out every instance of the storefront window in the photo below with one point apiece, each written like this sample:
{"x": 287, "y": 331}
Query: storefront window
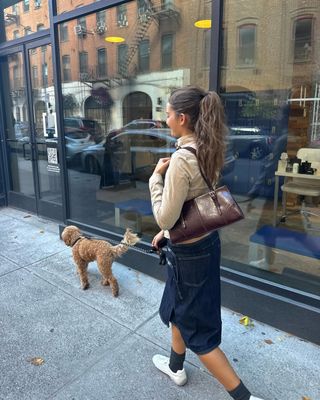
{"x": 270, "y": 88}
{"x": 114, "y": 102}
{"x": 25, "y": 17}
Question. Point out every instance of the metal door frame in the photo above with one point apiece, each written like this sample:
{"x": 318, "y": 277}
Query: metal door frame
{"x": 36, "y": 204}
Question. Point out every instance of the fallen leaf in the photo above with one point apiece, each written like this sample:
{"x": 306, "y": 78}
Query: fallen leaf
{"x": 27, "y": 216}
{"x": 246, "y": 321}
{"x": 41, "y": 231}
{"x": 36, "y": 361}
{"x": 306, "y": 398}
{"x": 269, "y": 341}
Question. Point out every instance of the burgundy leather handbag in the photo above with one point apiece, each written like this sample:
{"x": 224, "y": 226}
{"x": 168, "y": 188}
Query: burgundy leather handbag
{"x": 205, "y": 213}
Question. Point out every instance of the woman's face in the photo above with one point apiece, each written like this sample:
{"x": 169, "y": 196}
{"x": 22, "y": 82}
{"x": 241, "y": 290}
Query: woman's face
{"x": 173, "y": 121}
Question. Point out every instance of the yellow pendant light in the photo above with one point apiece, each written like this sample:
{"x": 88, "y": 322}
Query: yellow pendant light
{"x": 114, "y": 39}
{"x": 203, "y": 23}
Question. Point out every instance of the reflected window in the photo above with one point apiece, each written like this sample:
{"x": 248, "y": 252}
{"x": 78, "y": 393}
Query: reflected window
{"x": 247, "y": 44}
{"x": 102, "y": 62}
{"x": 44, "y": 74}
{"x": 101, "y": 22}
{"x": 144, "y": 59}
{"x": 303, "y": 41}
{"x": 142, "y": 7}
{"x": 122, "y": 20}
{"x": 81, "y": 28}
{"x": 101, "y": 17}
{"x": 83, "y": 62}
{"x": 37, "y": 3}
{"x": 122, "y": 58}
{"x": 26, "y": 5}
{"x": 18, "y": 115}
{"x": 66, "y": 69}
{"x": 16, "y": 34}
{"x": 40, "y": 27}
{"x": 166, "y": 51}
{"x": 27, "y": 30}
{"x": 35, "y": 76}
{"x": 64, "y": 36}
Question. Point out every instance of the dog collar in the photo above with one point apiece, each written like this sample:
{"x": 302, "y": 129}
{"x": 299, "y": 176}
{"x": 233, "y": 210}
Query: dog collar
{"x": 79, "y": 238}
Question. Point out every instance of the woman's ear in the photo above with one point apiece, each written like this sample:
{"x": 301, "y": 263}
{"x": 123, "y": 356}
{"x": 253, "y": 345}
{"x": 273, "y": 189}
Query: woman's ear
{"x": 183, "y": 119}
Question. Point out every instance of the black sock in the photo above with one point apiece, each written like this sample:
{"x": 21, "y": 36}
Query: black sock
{"x": 240, "y": 392}
{"x": 176, "y": 360}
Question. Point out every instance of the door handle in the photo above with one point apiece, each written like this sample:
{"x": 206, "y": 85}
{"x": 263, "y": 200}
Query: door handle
{"x": 24, "y": 151}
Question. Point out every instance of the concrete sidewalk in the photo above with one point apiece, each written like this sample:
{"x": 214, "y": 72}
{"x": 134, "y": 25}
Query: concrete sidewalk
{"x": 96, "y": 347}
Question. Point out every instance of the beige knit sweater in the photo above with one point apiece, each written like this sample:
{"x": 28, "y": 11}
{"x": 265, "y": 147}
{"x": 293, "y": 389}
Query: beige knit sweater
{"x": 183, "y": 181}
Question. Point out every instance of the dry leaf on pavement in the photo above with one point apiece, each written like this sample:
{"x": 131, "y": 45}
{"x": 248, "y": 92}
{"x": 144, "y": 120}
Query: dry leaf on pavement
{"x": 246, "y": 321}
{"x": 269, "y": 341}
{"x": 36, "y": 361}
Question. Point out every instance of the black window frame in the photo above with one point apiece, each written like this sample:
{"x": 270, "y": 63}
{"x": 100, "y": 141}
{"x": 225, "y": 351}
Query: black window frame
{"x": 166, "y": 55}
{"x": 144, "y": 56}
{"x": 303, "y": 53}
{"x": 63, "y": 32}
{"x": 66, "y": 72}
{"x": 243, "y": 49}
{"x": 83, "y": 62}
{"x": 101, "y": 66}
{"x": 122, "y": 58}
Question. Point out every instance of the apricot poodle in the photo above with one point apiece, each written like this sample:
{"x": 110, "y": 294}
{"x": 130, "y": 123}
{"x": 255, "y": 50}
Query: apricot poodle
{"x": 85, "y": 250}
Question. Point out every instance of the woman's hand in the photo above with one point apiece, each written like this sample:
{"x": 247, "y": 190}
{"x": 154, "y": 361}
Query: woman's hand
{"x": 157, "y": 239}
{"x": 162, "y": 166}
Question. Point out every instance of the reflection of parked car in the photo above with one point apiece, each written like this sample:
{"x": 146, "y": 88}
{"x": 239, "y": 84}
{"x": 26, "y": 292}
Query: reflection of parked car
{"x": 250, "y": 142}
{"x": 130, "y": 151}
{"x": 84, "y": 124}
{"x": 139, "y": 124}
{"x": 76, "y": 142}
{"x": 134, "y": 153}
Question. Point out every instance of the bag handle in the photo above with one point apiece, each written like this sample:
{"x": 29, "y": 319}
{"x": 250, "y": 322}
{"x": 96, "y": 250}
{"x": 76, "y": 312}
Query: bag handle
{"x": 194, "y": 151}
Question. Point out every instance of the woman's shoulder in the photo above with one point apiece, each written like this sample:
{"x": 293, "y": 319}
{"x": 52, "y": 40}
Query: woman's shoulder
{"x": 183, "y": 153}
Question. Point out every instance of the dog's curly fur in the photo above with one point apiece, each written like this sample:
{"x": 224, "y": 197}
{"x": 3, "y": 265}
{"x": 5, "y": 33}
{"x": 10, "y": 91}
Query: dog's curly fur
{"x": 85, "y": 250}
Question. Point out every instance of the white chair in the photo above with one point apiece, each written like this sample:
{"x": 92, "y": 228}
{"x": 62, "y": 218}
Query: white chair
{"x": 304, "y": 188}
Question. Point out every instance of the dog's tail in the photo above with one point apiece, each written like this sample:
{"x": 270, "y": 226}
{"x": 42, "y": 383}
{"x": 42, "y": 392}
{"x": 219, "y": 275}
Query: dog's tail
{"x": 129, "y": 239}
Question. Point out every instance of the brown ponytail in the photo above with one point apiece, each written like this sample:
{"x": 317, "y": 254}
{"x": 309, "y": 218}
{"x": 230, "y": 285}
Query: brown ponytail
{"x": 207, "y": 121}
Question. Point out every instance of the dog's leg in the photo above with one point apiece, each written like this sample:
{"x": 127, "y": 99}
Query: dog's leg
{"x": 105, "y": 267}
{"x": 83, "y": 274}
{"x": 114, "y": 285}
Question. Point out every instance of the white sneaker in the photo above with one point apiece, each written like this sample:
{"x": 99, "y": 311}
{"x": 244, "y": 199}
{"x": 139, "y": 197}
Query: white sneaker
{"x": 162, "y": 363}
{"x": 255, "y": 398}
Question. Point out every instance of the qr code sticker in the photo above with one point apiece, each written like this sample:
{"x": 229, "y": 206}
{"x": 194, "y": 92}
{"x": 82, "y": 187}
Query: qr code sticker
{"x": 52, "y": 155}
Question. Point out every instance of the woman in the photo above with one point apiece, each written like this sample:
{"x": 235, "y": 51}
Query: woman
{"x": 191, "y": 299}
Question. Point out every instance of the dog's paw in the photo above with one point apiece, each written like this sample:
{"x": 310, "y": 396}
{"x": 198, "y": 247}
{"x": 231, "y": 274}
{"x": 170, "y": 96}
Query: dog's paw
{"x": 85, "y": 286}
{"x": 115, "y": 293}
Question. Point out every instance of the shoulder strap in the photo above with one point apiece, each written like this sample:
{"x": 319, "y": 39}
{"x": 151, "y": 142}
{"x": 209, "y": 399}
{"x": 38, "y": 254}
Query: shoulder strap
{"x": 194, "y": 151}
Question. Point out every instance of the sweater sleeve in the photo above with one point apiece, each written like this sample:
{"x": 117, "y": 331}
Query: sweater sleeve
{"x": 168, "y": 196}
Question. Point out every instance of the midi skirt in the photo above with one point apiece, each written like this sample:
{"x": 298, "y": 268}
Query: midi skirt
{"x": 191, "y": 299}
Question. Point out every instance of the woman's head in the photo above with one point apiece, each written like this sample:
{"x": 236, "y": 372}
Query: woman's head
{"x": 203, "y": 114}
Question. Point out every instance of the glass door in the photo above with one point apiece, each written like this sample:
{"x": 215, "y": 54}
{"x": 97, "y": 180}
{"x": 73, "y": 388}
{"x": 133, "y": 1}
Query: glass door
{"x": 30, "y": 130}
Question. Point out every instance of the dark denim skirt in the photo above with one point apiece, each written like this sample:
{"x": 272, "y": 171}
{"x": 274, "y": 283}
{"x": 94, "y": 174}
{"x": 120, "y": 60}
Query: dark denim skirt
{"x": 191, "y": 299}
